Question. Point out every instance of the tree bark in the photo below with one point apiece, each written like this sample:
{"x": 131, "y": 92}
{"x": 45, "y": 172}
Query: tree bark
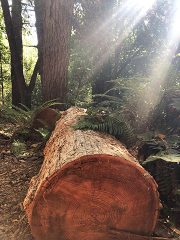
{"x": 22, "y": 91}
{"x": 88, "y": 186}
{"x": 2, "y": 78}
{"x": 17, "y": 26}
{"x": 18, "y": 68}
{"x": 39, "y": 28}
{"x": 56, "y": 30}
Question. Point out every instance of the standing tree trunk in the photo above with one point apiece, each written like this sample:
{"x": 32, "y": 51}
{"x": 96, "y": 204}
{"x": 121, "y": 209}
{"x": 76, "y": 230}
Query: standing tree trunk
{"x": 17, "y": 26}
{"x": 39, "y": 21}
{"x": 1, "y": 78}
{"x": 15, "y": 58}
{"x": 90, "y": 187}
{"x": 22, "y": 88}
{"x": 56, "y": 30}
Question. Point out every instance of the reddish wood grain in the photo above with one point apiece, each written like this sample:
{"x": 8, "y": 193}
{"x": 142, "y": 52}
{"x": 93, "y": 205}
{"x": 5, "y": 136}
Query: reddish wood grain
{"x": 89, "y": 196}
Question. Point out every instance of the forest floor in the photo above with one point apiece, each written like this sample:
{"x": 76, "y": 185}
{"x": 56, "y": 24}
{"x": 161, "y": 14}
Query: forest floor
{"x": 15, "y": 175}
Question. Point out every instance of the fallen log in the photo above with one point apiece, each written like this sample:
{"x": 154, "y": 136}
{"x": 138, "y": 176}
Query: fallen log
{"x": 88, "y": 185}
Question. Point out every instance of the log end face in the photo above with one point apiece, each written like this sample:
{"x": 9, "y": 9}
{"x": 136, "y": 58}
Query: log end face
{"x": 93, "y": 195}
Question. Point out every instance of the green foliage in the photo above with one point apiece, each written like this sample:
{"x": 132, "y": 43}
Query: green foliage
{"x": 48, "y": 104}
{"x": 37, "y": 94}
{"x": 5, "y": 86}
{"x": 132, "y": 62}
{"x": 24, "y": 118}
{"x": 109, "y": 123}
{"x": 174, "y": 157}
{"x": 10, "y": 115}
{"x": 166, "y": 114}
{"x": 18, "y": 148}
{"x": 126, "y": 98}
{"x": 162, "y": 158}
{"x": 117, "y": 110}
{"x": 128, "y": 61}
{"x": 80, "y": 68}
{"x": 44, "y": 133}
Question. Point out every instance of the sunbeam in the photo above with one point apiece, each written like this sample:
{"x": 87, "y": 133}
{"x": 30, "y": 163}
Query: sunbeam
{"x": 161, "y": 65}
{"x": 130, "y": 13}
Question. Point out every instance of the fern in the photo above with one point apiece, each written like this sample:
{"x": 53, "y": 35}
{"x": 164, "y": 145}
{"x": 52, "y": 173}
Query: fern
{"x": 24, "y": 118}
{"x": 19, "y": 148}
{"x": 15, "y": 115}
{"x": 50, "y": 103}
{"x": 23, "y": 115}
{"x": 44, "y": 133}
{"x": 109, "y": 123}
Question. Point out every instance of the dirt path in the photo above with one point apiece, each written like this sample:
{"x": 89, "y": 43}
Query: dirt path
{"x": 15, "y": 175}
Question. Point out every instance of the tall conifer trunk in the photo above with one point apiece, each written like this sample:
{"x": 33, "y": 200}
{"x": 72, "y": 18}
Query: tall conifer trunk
{"x": 56, "y": 32}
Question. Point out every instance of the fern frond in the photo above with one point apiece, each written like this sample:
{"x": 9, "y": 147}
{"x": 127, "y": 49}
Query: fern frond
{"x": 108, "y": 103}
{"x": 51, "y": 103}
{"x": 108, "y": 97}
{"x": 111, "y": 124}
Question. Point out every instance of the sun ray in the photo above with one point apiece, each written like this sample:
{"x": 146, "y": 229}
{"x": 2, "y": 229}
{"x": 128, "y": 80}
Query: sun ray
{"x": 162, "y": 64}
{"x": 102, "y": 47}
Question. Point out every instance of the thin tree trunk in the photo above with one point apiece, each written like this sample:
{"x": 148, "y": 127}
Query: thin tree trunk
{"x": 16, "y": 60}
{"x": 17, "y": 26}
{"x": 56, "y": 24}
{"x": 39, "y": 28}
{"x": 2, "y": 92}
{"x": 2, "y": 79}
{"x": 15, "y": 43}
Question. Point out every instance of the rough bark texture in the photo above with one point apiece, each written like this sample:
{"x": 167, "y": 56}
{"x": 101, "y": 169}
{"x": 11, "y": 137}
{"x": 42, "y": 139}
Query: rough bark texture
{"x": 17, "y": 26}
{"x": 90, "y": 187}
{"x": 56, "y": 26}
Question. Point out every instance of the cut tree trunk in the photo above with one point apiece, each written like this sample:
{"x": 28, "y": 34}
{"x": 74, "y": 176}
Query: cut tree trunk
{"x": 90, "y": 188}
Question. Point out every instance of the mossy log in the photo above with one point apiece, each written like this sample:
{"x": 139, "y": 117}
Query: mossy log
{"x": 88, "y": 186}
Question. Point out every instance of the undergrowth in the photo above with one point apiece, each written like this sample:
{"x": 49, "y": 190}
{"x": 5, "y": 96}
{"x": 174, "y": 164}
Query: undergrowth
{"x": 23, "y": 117}
{"x": 111, "y": 123}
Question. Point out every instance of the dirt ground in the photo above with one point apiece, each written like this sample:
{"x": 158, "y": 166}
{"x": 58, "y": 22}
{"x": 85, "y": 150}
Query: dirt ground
{"x": 15, "y": 175}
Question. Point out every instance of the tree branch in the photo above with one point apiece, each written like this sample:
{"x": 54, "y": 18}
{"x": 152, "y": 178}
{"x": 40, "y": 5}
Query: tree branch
{"x": 33, "y": 46}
